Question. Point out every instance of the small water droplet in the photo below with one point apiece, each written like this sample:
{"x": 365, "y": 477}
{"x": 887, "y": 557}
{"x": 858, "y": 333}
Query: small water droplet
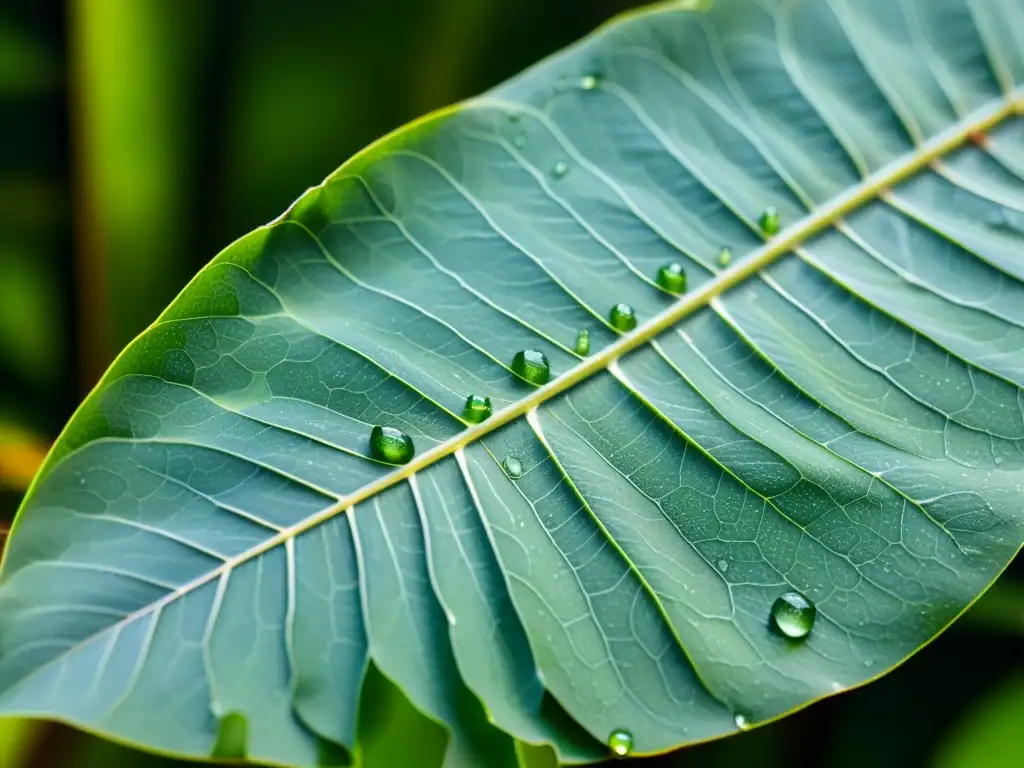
{"x": 672, "y": 277}
{"x": 793, "y": 615}
{"x": 724, "y": 257}
{"x": 769, "y": 221}
{"x": 999, "y": 460}
{"x": 476, "y": 409}
{"x": 391, "y": 445}
{"x": 620, "y": 742}
{"x": 532, "y": 366}
{"x": 869, "y": 662}
{"x": 723, "y": 566}
{"x": 561, "y": 168}
{"x": 583, "y": 342}
{"x": 513, "y": 468}
{"x": 519, "y": 140}
{"x": 588, "y": 82}
{"x": 622, "y": 317}
{"x": 741, "y": 722}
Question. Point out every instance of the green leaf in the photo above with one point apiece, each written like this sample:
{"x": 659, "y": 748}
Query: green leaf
{"x": 833, "y": 410}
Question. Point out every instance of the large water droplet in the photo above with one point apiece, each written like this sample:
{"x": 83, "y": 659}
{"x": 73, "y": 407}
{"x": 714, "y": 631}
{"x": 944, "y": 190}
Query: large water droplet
{"x": 793, "y": 615}
{"x": 513, "y": 467}
{"x": 672, "y": 277}
{"x": 724, "y": 257}
{"x": 561, "y": 168}
{"x": 583, "y": 342}
{"x": 620, "y": 742}
{"x": 588, "y": 82}
{"x": 622, "y": 317}
{"x": 391, "y": 445}
{"x": 477, "y": 409}
{"x": 532, "y": 366}
{"x": 769, "y": 221}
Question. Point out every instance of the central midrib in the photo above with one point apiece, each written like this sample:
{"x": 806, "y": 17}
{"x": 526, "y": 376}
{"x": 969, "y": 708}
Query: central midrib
{"x": 979, "y": 120}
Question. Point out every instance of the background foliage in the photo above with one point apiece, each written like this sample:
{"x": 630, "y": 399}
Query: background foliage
{"x": 139, "y": 137}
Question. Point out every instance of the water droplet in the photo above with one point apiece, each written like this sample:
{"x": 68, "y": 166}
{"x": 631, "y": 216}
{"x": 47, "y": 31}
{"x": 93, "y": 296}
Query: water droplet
{"x": 672, "y": 277}
{"x": 561, "y": 168}
{"x": 622, "y": 317}
{"x": 723, "y": 566}
{"x": 588, "y": 82}
{"x": 869, "y": 662}
{"x": 391, "y": 445}
{"x": 519, "y": 140}
{"x": 769, "y": 221}
{"x": 793, "y": 615}
{"x": 724, "y": 257}
{"x": 532, "y": 366}
{"x": 477, "y": 409}
{"x": 583, "y": 342}
{"x": 620, "y": 742}
{"x": 741, "y": 722}
{"x": 513, "y": 467}
{"x": 999, "y": 459}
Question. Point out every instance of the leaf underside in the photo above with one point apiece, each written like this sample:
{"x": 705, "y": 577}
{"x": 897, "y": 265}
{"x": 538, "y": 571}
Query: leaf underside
{"x": 210, "y": 550}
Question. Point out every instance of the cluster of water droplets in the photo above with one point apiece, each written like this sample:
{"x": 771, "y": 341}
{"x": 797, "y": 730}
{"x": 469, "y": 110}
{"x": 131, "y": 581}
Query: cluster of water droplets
{"x": 791, "y": 615}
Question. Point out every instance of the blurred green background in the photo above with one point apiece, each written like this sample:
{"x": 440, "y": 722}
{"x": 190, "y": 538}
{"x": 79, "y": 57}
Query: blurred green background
{"x": 139, "y": 137}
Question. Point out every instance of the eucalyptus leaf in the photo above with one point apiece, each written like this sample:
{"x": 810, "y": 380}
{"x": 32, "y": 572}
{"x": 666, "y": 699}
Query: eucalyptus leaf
{"x": 831, "y": 409}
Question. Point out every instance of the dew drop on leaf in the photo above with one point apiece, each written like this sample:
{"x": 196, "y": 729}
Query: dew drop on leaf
{"x": 513, "y": 467}
{"x": 741, "y": 722}
{"x": 769, "y": 221}
{"x": 476, "y": 409}
{"x": 519, "y": 140}
{"x": 391, "y": 445}
{"x": 793, "y": 615}
{"x": 724, "y": 257}
{"x": 672, "y": 277}
{"x": 532, "y": 366}
{"x": 561, "y": 168}
{"x": 620, "y": 742}
{"x": 622, "y": 317}
{"x": 723, "y": 566}
{"x": 588, "y": 82}
{"x": 583, "y": 342}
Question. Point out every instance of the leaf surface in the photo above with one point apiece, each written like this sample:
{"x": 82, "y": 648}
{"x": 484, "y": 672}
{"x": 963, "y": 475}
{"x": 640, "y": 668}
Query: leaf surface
{"x": 836, "y": 410}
